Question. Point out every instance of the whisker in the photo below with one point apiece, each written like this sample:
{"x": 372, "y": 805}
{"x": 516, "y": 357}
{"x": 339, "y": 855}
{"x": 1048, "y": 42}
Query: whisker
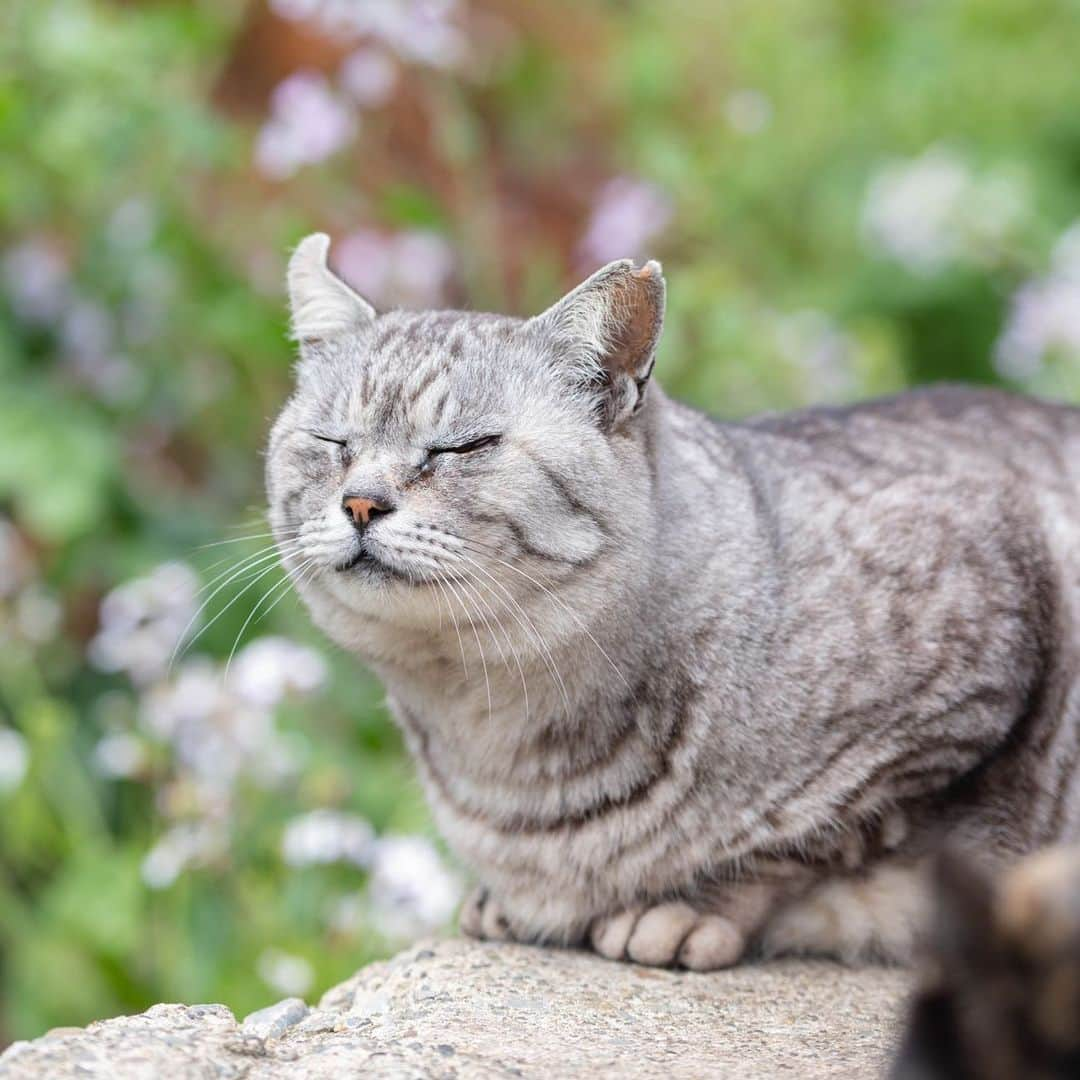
{"x": 514, "y": 652}
{"x": 569, "y": 611}
{"x": 464, "y": 664}
{"x": 180, "y": 642}
{"x": 286, "y": 581}
{"x": 250, "y": 536}
{"x": 530, "y": 629}
{"x": 479, "y": 647}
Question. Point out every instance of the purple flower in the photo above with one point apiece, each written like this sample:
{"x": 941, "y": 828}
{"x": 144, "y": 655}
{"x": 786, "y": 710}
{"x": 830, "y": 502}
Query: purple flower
{"x": 627, "y": 216}
{"x": 369, "y": 77}
{"x": 36, "y": 279}
{"x": 308, "y": 123}
{"x": 407, "y": 269}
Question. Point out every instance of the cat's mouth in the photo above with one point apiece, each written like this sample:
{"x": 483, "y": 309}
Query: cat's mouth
{"x": 366, "y": 562}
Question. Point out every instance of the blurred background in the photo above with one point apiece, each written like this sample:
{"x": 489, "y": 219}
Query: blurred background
{"x": 849, "y": 198}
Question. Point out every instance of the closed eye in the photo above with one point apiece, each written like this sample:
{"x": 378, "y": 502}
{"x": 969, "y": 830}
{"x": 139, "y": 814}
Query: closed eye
{"x": 326, "y": 438}
{"x": 467, "y": 447}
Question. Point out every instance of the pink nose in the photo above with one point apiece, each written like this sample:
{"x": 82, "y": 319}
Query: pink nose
{"x": 362, "y": 510}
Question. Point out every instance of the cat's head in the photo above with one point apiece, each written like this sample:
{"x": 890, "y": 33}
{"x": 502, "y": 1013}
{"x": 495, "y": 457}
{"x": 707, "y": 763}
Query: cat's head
{"x": 421, "y": 450}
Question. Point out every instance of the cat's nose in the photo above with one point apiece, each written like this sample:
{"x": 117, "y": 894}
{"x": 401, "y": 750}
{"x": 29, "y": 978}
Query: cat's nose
{"x": 362, "y": 509}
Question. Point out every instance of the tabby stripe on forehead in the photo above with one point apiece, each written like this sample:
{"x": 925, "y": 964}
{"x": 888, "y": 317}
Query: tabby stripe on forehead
{"x": 426, "y": 380}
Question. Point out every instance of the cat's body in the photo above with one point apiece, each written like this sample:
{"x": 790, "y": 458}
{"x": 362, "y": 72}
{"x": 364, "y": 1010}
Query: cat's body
{"x": 673, "y": 685}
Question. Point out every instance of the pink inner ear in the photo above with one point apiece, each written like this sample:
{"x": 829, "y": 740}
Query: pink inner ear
{"x": 636, "y": 313}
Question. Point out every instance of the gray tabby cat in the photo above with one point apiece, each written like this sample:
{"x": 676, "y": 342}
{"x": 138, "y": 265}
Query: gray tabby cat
{"x": 674, "y": 687}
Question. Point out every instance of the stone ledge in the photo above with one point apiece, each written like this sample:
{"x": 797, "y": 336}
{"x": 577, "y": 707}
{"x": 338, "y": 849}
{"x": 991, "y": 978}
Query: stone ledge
{"x": 463, "y": 1009}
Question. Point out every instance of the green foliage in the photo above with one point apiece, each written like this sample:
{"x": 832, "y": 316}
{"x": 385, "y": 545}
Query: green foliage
{"x": 847, "y": 197}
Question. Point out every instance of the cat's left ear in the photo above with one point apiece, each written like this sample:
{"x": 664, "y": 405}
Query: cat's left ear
{"x": 607, "y": 330}
{"x": 322, "y": 305}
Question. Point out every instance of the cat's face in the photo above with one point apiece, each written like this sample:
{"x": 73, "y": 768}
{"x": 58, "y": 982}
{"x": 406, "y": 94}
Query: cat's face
{"x": 464, "y": 456}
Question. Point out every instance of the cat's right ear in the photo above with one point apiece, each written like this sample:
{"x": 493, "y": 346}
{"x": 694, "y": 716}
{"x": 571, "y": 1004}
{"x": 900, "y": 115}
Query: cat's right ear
{"x": 321, "y": 304}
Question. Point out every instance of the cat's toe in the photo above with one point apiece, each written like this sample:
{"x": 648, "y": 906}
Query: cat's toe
{"x": 715, "y": 942}
{"x": 482, "y": 917}
{"x": 494, "y": 925}
{"x": 470, "y": 918}
{"x": 609, "y": 934}
{"x": 660, "y": 932}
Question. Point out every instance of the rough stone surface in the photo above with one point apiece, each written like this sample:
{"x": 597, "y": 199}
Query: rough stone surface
{"x": 463, "y": 1009}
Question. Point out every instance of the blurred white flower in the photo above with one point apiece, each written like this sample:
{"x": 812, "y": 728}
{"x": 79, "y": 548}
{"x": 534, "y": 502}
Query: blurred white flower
{"x": 142, "y": 620}
{"x": 412, "y": 268}
{"x": 14, "y": 759}
{"x": 748, "y": 111}
{"x": 263, "y": 672}
{"x": 1065, "y": 258}
{"x": 120, "y": 755}
{"x": 1044, "y": 315}
{"x": 813, "y": 343}
{"x": 36, "y": 279}
{"x": 411, "y": 891}
{"x": 327, "y": 836}
{"x": 419, "y": 31}
{"x": 912, "y": 206}
{"x": 932, "y": 211}
{"x": 132, "y": 224}
{"x": 16, "y": 565}
{"x": 369, "y": 77}
{"x": 308, "y": 123}
{"x": 216, "y": 733}
{"x": 347, "y": 914}
{"x": 212, "y": 733}
{"x": 1044, "y": 319}
{"x": 184, "y": 845}
{"x": 627, "y": 216}
{"x": 38, "y": 614}
{"x": 285, "y": 973}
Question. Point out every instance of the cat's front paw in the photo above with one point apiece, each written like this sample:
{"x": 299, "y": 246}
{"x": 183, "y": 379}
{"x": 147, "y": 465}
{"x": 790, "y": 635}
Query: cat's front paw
{"x": 482, "y": 918}
{"x": 669, "y": 935}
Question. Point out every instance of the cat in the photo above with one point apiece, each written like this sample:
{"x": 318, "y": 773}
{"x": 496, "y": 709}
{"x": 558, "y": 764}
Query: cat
{"x": 1000, "y": 993}
{"x": 679, "y": 689}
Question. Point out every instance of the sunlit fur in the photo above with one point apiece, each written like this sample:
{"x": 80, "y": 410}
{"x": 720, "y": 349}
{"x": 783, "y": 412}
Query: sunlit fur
{"x": 652, "y": 665}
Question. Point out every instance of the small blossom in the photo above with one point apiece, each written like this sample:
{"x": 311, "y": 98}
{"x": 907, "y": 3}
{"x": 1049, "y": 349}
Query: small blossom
{"x": 419, "y": 31}
{"x": 327, "y": 836}
{"x": 407, "y": 269}
{"x": 38, "y": 614}
{"x": 14, "y": 759}
{"x": 627, "y": 216}
{"x": 411, "y": 891}
{"x": 811, "y": 342}
{"x": 347, "y": 914}
{"x": 932, "y": 211}
{"x": 36, "y": 279}
{"x": 1065, "y": 259}
{"x": 308, "y": 123}
{"x": 132, "y": 225}
{"x": 268, "y": 669}
{"x": 182, "y": 846}
{"x": 1044, "y": 319}
{"x": 748, "y": 111}
{"x": 120, "y": 756}
{"x": 369, "y": 77}
{"x": 141, "y": 622}
{"x": 285, "y": 973}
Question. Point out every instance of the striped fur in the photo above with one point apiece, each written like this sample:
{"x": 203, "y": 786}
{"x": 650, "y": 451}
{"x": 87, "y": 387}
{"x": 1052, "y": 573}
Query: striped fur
{"x": 671, "y": 684}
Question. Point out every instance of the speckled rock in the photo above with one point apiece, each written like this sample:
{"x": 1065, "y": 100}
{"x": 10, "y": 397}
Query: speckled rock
{"x": 462, "y": 1009}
